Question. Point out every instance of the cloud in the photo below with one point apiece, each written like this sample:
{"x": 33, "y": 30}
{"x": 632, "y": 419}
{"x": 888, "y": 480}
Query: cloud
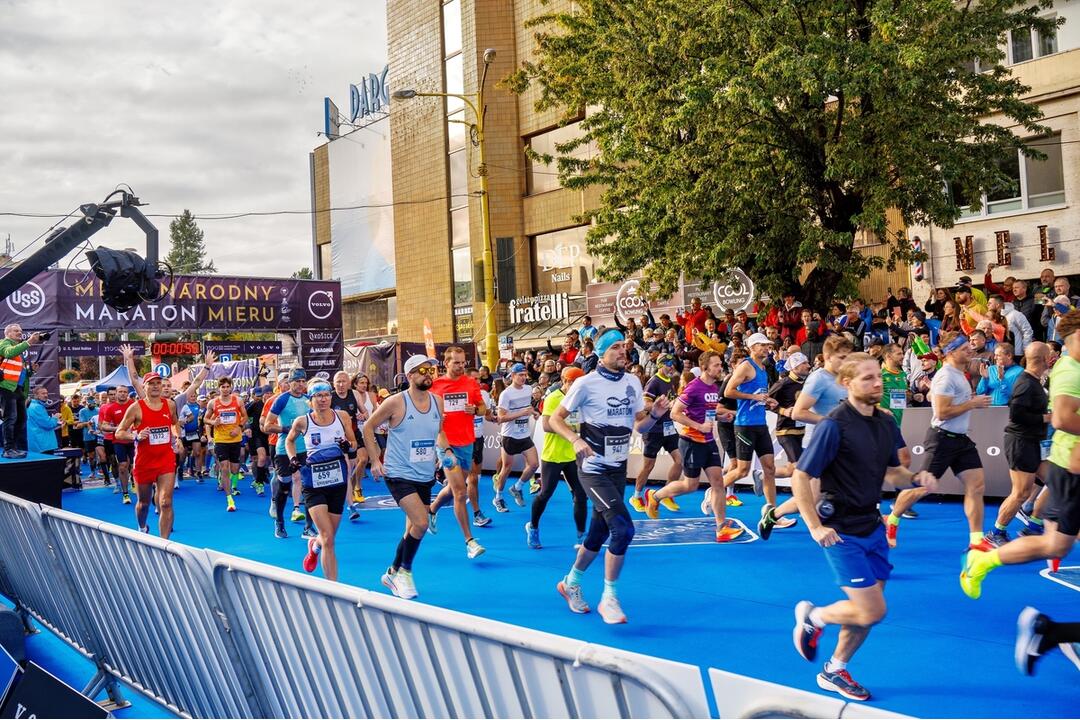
{"x": 207, "y": 106}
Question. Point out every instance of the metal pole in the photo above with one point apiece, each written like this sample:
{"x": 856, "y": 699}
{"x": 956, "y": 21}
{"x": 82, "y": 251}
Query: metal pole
{"x": 492, "y": 331}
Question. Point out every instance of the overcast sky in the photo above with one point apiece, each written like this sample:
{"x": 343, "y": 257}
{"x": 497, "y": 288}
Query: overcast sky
{"x": 210, "y": 106}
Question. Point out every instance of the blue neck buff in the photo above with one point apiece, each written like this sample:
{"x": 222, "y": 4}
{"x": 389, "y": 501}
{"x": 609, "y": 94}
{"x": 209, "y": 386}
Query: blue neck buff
{"x": 604, "y": 372}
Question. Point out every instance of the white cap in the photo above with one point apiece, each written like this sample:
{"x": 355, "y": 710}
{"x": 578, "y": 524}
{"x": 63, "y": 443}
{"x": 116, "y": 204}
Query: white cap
{"x": 758, "y": 339}
{"x": 695, "y": 371}
{"x": 795, "y": 359}
{"x": 416, "y": 361}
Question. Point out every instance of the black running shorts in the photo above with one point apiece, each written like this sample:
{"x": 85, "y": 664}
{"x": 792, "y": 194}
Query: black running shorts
{"x": 653, "y": 444}
{"x": 332, "y": 497}
{"x": 227, "y": 452}
{"x": 401, "y": 489}
{"x": 1023, "y": 454}
{"x": 514, "y": 446}
{"x": 792, "y": 445}
{"x": 751, "y": 440}
{"x": 949, "y": 452}
{"x": 1064, "y": 500}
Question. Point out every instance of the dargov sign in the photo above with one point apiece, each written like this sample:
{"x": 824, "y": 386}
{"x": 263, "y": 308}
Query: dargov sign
{"x": 539, "y": 308}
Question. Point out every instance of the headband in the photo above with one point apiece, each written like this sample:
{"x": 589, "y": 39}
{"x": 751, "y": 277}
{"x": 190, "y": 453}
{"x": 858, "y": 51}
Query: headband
{"x": 958, "y": 342}
{"x": 605, "y": 341}
{"x": 318, "y": 387}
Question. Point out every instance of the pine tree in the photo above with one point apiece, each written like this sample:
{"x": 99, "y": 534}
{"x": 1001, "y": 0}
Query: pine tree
{"x": 303, "y": 273}
{"x": 188, "y": 253}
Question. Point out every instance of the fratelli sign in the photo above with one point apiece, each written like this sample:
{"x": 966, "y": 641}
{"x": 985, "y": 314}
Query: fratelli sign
{"x": 539, "y": 308}
{"x": 72, "y": 300}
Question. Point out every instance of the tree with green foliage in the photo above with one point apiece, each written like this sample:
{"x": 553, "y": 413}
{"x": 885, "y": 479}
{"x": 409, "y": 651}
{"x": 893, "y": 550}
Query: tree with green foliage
{"x": 188, "y": 253}
{"x": 303, "y": 273}
{"x": 766, "y": 135}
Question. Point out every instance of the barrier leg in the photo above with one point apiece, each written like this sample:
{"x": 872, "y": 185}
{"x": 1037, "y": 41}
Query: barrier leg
{"x": 105, "y": 681}
{"x": 28, "y": 626}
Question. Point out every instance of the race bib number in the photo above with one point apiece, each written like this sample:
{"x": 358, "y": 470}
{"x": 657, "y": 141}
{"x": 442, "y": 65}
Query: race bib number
{"x": 898, "y": 400}
{"x": 669, "y": 427}
{"x": 1044, "y": 449}
{"x": 617, "y": 448}
{"x": 455, "y": 402}
{"x": 710, "y": 415}
{"x": 422, "y": 451}
{"x": 327, "y": 474}
{"x": 228, "y": 417}
{"x": 521, "y": 423}
{"x": 478, "y": 423}
{"x": 160, "y": 436}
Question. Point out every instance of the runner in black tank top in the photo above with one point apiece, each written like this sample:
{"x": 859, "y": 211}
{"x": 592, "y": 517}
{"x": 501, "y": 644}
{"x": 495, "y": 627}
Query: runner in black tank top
{"x": 344, "y": 399}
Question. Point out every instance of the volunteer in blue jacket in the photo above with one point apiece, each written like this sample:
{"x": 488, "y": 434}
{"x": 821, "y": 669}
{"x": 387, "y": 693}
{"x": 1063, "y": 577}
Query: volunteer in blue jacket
{"x": 41, "y": 426}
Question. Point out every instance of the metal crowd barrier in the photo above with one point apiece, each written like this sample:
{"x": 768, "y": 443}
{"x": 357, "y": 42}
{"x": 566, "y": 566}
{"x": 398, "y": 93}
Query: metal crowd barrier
{"x": 357, "y": 653}
{"x": 151, "y": 602}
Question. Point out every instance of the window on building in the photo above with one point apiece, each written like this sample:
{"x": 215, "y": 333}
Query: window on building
{"x": 451, "y": 14}
{"x": 1028, "y": 184}
{"x": 455, "y": 82}
{"x": 541, "y": 177}
{"x": 455, "y": 130}
{"x": 561, "y": 263}
{"x": 462, "y": 276}
{"x": 1020, "y": 46}
{"x": 1028, "y": 44}
{"x": 1047, "y": 42}
{"x": 459, "y": 179}
{"x": 459, "y": 227}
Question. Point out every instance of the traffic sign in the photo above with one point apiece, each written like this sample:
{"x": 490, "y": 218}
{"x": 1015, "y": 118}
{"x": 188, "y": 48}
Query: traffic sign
{"x": 163, "y": 369}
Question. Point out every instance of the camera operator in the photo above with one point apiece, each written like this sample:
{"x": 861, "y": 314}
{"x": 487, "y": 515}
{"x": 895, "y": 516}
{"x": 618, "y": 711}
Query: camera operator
{"x": 15, "y": 374}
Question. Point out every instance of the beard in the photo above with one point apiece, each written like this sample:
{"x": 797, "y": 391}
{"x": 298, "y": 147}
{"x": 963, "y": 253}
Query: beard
{"x": 870, "y": 398}
{"x": 423, "y": 382}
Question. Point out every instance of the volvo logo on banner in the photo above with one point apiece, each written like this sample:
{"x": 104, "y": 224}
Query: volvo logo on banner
{"x": 540, "y": 307}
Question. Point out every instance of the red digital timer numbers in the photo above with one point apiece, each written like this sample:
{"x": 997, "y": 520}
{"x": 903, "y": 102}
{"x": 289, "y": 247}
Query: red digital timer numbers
{"x": 175, "y": 348}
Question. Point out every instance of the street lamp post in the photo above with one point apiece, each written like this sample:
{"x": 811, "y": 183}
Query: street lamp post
{"x": 476, "y": 104}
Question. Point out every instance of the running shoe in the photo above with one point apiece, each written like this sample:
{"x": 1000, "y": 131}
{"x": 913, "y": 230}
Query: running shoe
{"x": 728, "y": 532}
{"x": 983, "y": 545}
{"x": 308, "y": 533}
{"x": 842, "y": 683}
{"x": 500, "y": 505}
{"x": 1072, "y": 652}
{"x": 534, "y": 487}
{"x": 970, "y": 581}
{"x": 785, "y": 521}
{"x": 910, "y": 514}
{"x": 997, "y": 538}
{"x": 474, "y": 549}
{"x": 1054, "y": 564}
{"x": 432, "y": 523}
{"x": 1024, "y": 516}
{"x": 767, "y": 522}
{"x": 1033, "y": 529}
{"x": 890, "y": 533}
{"x": 279, "y": 531}
{"x": 518, "y": 496}
{"x": 759, "y": 483}
{"x": 611, "y": 611}
{"x": 236, "y": 490}
{"x": 358, "y": 496}
{"x": 734, "y": 501}
{"x": 144, "y": 529}
{"x": 480, "y": 519}
{"x": 273, "y": 508}
{"x": 652, "y": 505}
{"x": 127, "y": 499}
{"x": 116, "y": 489}
{"x": 806, "y": 633}
{"x": 400, "y": 583}
{"x": 230, "y": 504}
{"x": 637, "y": 504}
{"x": 298, "y": 515}
{"x": 260, "y": 489}
{"x": 354, "y": 514}
{"x": 1029, "y": 626}
{"x": 670, "y": 504}
{"x": 706, "y": 502}
{"x": 311, "y": 560}
{"x": 532, "y": 536}
{"x": 574, "y": 599}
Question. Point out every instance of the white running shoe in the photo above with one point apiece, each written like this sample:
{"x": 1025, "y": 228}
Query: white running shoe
{"x": 706, "y": 504}
{"x": 574, "y": 597}
{"x": 474, "y": 549}
{"x": 785, "y": 521}
{"x": 611, "y": 611}
{"x": 400, "y": 583}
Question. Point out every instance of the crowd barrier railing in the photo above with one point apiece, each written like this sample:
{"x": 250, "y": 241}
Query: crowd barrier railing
{"x": 152, "y": 603}
{"x": 367, "y": 654}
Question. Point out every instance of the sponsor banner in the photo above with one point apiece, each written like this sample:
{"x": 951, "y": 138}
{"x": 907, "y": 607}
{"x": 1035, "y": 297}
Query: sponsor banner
{"x": 243, "y": 347}
{"x": 539, "y": 308}
{"x": 378, "y": 362}
{"x": 736, "y": 293}
{"x": 95, "y": 348}
{"x": 243, "y": 373}
{"x": 607, "y": 301}
{"x": 321, "y": 351}
{"x": 193, "y": 302}
{"x": 40, "y": 694}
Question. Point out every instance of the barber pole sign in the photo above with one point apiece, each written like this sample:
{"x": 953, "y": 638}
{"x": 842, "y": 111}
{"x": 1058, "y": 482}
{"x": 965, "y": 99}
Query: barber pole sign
{"x": 916, "y": 246}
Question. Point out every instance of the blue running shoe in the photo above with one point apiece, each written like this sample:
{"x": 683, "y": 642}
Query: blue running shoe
{"x": 532, "y": 536}
{"x": 842, "y": 683}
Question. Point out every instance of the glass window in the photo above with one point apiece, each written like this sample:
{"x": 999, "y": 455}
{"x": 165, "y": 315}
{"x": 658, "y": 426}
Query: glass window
{"x": 1005, "y": 196}
{"x": 455, "y": 82}
{"x": 451, "y": 14}
{"x": 459, "y": 179}
{"x": 1047, "y": 42}
{"x": 561, "y": 262}
{"x": 1021, "y": 45}
{"x": 1045, "y": 178}
{"x": 459, "y": 227}
{"x": 455, "y": 130}
{"x": 542, "y": 177}
{"x": 462, "y": 276}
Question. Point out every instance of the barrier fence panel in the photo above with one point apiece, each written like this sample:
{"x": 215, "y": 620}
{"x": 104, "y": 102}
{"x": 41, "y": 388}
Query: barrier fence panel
{"x": 153, "y": 604}
{"x": 367, "y": 654}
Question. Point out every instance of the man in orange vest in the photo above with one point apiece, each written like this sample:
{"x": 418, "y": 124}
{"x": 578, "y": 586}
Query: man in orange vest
{"x": 14, "y": 385}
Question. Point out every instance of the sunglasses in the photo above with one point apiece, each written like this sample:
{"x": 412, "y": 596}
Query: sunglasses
{"x": 426, "y": 370}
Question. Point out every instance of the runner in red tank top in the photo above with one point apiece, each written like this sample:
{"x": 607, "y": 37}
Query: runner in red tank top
{"x": 152, "y": 424}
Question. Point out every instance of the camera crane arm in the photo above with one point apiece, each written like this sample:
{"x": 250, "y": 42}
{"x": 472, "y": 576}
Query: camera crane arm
{"x": 95, "y": 217}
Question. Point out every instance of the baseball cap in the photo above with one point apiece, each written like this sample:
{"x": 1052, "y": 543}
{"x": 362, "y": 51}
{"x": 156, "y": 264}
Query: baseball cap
{"x": 1062, "y": 304}
{"x": 257, "y": 391}
{"x": 795, "y": 360}
{"x": 928, "y": 356}
{"x": 416, "y": 361}
{"x": 297, "y": 374}
{"x": 151, "y": 376}
{"x": 758, "y": 339}
{"x": 517, "y": 367}
{"x": 571, "y": 373}
{"x": 666, "y": 359}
